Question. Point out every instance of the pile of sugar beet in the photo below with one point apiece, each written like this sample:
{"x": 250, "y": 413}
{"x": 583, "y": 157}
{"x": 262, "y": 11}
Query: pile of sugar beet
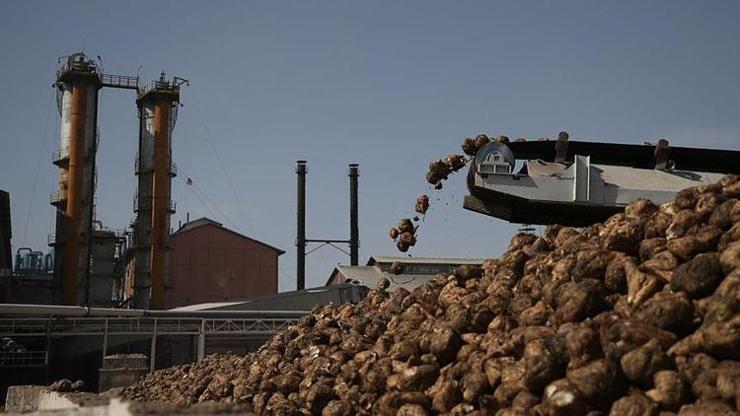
{"x": 639, "y": 315}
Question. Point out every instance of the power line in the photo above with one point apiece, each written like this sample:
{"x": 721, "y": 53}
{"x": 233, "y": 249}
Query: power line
{"x": 193, "y": 187}
{"x": 38, "y": 168}
{"x": 201, "y": 202}
{"x": 229, "y": 181}
{"x": 223, "y": 214}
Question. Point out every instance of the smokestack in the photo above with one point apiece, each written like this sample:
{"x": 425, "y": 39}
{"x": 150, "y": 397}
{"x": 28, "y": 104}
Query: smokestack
{"x": 354, "y": 230}
{"x": 300, "y": 241}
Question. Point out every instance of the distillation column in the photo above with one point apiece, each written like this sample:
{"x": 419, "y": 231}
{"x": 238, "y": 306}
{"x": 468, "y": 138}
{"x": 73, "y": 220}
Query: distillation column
{"x": 78, "y": 82}
{"x": 157, "y": 115}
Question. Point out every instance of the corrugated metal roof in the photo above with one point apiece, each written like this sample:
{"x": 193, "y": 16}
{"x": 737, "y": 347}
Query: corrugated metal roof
{"x": 200, "y": 222}
{"x": 206, "y": 306}
{"x": 299, "y": 300}
{"x": 364, "y": 274}
{"x": 424, "y": 260}
{"x": 369, "y": 276}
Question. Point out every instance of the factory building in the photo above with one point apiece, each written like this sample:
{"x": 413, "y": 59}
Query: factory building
{"x": 211, "y": 263}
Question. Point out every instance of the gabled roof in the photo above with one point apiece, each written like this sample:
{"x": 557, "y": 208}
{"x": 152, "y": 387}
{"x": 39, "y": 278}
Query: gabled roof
{"x": 200, "y": 222}
{"x": 369, "y": 276}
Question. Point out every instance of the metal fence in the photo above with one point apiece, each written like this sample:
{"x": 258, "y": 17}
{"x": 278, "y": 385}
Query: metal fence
{"x": 24, "y": 358}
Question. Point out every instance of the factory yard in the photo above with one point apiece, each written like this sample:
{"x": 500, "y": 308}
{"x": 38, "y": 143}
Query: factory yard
{"x": 637, "y": 315}
{"x": 264, "y": 208}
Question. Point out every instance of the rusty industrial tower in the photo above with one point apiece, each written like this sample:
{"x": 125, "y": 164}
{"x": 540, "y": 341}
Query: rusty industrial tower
{"x": 153, "y": 204}
{"x": 78, "y": 82}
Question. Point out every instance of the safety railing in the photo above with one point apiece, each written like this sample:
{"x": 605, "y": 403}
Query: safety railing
{"x": 72, "y": 326}
{"x": 59, "y": 156}
{"x": 146, "y": 205}
{"x": 120, "y": 81}
{"x": 58, "y": 197}
{"x": 23, "y": 358}
{"x": 137, "y": 163}
{"x": 76, "y": 62}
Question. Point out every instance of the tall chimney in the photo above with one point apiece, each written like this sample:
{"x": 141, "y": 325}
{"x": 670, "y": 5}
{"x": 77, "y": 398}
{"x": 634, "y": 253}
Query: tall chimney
{"x": 300, "y": 241}
{"x": 157, "y": 116}
{"x": 78, "y": 82}
{"x": 354, "y": 229}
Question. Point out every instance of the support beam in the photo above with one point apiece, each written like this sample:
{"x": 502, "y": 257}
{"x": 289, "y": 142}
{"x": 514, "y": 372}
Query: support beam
{"x": 201, "y": 352}
{"x": 153, "y": 348}
{"x": 105, "y": 343}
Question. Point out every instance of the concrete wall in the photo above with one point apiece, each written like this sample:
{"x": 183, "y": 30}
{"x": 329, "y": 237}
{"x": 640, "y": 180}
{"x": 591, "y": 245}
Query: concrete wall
{"x": 211, "y": 264}
{"x": 101, "y": 276}
{"x": 33, "y": 289}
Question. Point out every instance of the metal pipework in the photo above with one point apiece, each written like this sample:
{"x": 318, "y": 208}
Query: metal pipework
{"x": 78, "y": 82}
{"x": 70, "y": 264}
{"x": 300, "y": 241}
{"x": 160, "y": 200}
{"x": 354, "y": 229}
{"x": 157, "y": 114}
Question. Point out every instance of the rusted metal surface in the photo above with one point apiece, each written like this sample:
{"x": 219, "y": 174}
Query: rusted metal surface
{"x": 211, "y": 264}
{"x": 160, "y": 200}
{"x": 157, "y": 114}
{"x": 143, "y": 205}
{"x": 73, "y": 211}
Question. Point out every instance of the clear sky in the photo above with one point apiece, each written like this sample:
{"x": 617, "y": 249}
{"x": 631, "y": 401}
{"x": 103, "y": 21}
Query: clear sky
{"x": 390, "y": 85}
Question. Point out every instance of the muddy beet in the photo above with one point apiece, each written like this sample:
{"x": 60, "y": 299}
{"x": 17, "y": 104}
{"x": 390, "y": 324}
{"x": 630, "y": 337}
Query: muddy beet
{"x": 639, "y": 315}
{"x": 422, "y": 204}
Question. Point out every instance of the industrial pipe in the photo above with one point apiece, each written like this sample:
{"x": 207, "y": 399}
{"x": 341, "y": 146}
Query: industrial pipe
{"x": 91, "y": 205}
{"x": 160, "y": 200}
{"x": 70, "y": 265}
{"x": 300, "y": 240}
{"x": 142, "y": 229}
{"x": 354, "y": 230}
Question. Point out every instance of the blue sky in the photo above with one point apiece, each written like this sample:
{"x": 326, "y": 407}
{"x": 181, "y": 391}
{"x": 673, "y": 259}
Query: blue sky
{"x": 390, "y": 85}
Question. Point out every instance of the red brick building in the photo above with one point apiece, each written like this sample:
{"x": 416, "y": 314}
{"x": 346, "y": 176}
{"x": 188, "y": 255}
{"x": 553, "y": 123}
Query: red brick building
{"x": 211, "y": 263}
